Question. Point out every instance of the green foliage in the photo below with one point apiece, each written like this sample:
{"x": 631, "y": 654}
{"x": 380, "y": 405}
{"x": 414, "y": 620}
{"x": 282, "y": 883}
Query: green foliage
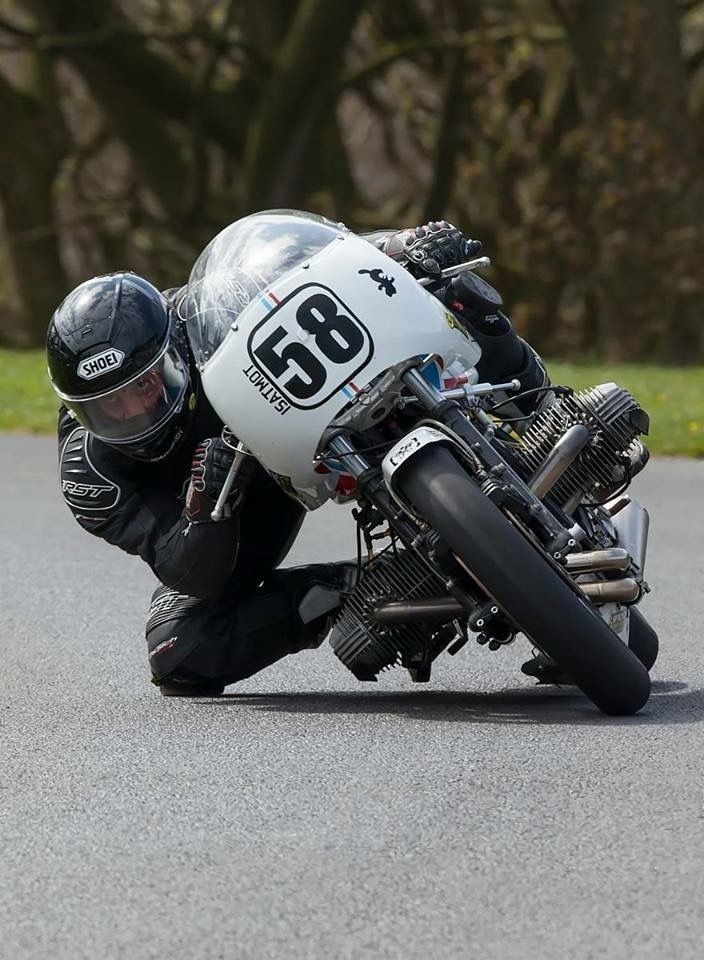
{"x": 674, "y": 397}
{"x": 27, "y": 402}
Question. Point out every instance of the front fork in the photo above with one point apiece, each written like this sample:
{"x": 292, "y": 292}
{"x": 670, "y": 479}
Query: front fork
{"x": 501, "y": 483}
{"x": 498, "y": 479}
{"x": 372, "y": 486}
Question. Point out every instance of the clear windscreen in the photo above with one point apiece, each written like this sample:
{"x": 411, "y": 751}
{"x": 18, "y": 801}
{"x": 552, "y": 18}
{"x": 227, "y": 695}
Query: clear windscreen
{"x": 240, "y": 264}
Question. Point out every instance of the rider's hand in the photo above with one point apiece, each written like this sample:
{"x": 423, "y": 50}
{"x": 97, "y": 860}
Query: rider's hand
{"x": 432, "y": 247}
{"x": 211, "y": 463}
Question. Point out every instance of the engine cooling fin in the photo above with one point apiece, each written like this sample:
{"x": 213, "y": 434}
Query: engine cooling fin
{"x": 614, "y": 420}
{"x": 366, "y": 647}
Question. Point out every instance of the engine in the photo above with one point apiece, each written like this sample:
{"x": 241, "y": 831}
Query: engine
{"x": 611, "y": 455}
{"x": 367, "y": 647}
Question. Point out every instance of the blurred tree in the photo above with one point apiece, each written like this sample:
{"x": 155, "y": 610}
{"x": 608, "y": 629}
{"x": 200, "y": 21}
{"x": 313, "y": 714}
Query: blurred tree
{"x": 34, "y": 143}
{"x": 641, "y": 190}
{"x": 296, "y": 102}
{"x": 564, "y": 133}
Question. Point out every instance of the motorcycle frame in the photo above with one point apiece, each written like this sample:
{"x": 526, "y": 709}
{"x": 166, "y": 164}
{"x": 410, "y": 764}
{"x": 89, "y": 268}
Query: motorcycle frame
{"x": 450, "y": 425}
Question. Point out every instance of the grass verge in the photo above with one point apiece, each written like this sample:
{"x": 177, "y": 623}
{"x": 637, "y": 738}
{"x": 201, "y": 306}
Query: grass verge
{"x": 674, "y": 397}
{"x": 27, "y": 402}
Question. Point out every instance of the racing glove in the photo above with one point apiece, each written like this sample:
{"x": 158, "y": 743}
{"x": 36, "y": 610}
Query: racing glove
{"x": 428, "y": 249}
{"x": 211, "y": 463}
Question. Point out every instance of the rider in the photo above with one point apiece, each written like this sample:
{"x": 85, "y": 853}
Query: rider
{"x": 142, "y": 462}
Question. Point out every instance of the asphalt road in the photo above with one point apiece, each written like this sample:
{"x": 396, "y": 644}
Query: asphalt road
{"x": 306, "y": 815}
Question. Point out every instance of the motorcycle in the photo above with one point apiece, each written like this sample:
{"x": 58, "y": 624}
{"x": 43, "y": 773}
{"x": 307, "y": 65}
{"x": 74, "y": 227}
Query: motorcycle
{"x": 350, "y": 381}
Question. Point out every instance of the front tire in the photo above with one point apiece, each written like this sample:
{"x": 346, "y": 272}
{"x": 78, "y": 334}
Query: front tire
{"x": 523, "y": 582}
{"x": 642, "y": 639}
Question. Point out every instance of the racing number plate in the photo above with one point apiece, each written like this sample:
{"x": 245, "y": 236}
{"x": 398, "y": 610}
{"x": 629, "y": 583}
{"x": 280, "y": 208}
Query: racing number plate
{"x": 310, "y": 346}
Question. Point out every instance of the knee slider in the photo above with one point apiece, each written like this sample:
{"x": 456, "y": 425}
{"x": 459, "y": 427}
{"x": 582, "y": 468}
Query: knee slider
{"x": 169, "y": 641}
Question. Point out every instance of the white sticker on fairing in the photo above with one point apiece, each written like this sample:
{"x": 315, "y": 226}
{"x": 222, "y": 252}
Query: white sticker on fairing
{"x": 408, "y": 447}
{"x": 100, "y": 363}
{"x": 308, "y": 347}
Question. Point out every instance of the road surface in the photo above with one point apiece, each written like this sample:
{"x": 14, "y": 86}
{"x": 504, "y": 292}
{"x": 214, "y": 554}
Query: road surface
{"x": 307, "y": 815}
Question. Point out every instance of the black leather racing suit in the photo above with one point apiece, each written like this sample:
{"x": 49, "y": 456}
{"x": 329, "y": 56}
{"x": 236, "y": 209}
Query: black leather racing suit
{"x": 224, "y": 611}
{"x": 217, "y": 577}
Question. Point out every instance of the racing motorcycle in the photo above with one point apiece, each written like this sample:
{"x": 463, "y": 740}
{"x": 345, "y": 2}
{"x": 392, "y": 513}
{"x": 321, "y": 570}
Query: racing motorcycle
{"x": 350, "y": 381}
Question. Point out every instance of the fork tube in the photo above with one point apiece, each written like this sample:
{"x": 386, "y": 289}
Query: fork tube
{"x": 448, "y": 412}
{"x": 353, "y": 462}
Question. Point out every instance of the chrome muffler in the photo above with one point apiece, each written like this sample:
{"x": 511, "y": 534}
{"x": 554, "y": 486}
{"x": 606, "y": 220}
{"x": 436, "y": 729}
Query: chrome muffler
{"x": 632, "y": 524}
{"x": 615, "y": 558}
{"x": 611, "y": 591}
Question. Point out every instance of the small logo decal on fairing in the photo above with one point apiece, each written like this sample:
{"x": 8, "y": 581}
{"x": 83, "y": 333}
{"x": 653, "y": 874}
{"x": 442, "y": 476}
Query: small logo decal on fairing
{"x": 454, "y": 323}
{"x": 101, "y": 363}
{"x": 385, "y": 283}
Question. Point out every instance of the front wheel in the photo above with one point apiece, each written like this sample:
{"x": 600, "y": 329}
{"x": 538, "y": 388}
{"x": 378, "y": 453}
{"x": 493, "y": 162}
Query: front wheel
{"x": 642, "y": 639}
{"x": 521, "y": 580}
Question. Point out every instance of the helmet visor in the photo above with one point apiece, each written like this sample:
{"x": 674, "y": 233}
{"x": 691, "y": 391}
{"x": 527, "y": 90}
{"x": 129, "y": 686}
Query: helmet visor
{"x": 138, "y": 408}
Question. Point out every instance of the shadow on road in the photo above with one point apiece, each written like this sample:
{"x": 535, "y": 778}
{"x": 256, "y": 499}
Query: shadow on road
{"x": 671, "y": 702}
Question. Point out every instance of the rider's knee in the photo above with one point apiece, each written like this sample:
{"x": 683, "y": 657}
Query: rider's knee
{"x": 171, "y": 631}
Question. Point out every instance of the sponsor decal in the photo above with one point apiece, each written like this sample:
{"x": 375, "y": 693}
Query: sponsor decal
{"x": 455, "y": 324}
{"x": 308, "y": 347}
{"x": 255, "y": 377}
{"x": 241, "y": 293}
{"x": 617, "y": 620}
{"x": 384, "y": 283}
{"x": 95, "y": 492}
{"x": 90, "y": 491}
{"x": 101, "y": 363}
{"x": 400, "y": 453}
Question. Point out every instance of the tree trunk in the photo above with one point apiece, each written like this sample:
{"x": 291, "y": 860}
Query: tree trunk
{"x": 291, "y": 115}
{"x": 445, "y": 159}
{"x": 33, "y": 144}
{"x": 641, "y": 189}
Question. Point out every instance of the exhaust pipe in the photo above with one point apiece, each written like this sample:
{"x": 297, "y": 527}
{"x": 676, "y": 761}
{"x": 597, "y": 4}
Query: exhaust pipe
{"x": 564, "y": 453}
{"x": 615, "y": 558}
{"x": 432, "y": 610}
{"x": 611, "y": 591}
{"x": 444, "y": 609}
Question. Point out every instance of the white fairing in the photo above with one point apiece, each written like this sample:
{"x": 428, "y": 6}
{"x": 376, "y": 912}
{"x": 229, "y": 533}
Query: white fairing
{"x": 299, "y": 349}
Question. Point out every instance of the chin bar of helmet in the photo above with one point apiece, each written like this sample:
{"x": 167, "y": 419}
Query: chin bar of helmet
{"x": 219, "y": 508}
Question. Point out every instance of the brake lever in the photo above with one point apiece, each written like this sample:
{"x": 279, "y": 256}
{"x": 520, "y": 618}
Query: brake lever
{"x": 456, "y": 270}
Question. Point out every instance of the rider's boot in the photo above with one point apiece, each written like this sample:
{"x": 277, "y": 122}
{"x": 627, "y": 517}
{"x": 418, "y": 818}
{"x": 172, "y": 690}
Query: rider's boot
{"x": 291, "y": 610}
{"x": 190, "y": 688}
{"x": 317, "y": 593}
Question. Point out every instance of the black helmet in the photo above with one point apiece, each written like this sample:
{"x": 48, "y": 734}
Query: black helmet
{"x": 119, "y": 361}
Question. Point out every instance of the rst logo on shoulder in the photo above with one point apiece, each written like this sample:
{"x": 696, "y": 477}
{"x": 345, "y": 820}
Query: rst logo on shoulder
{"x": 100, "y": 363}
